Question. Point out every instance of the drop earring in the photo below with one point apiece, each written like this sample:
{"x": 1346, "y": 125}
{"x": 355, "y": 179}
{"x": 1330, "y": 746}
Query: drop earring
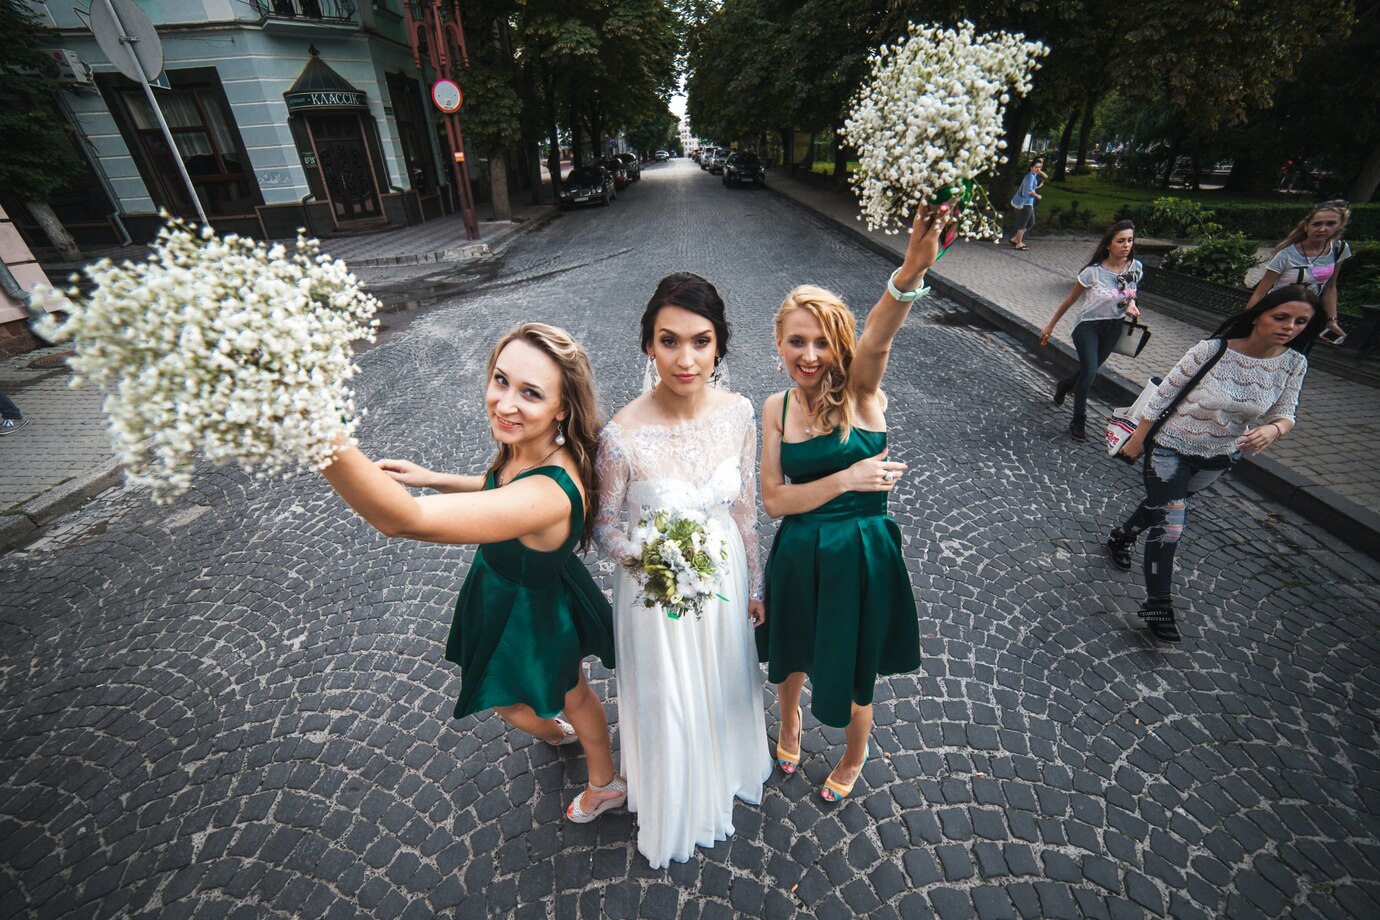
{"x": 780, "y": 364}
{"x": 560, "y": 436}
{"x": 650, "y": 378}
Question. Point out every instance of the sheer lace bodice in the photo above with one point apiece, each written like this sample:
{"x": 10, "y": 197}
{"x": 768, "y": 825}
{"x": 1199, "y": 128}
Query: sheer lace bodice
{"x": 707, "y": 464}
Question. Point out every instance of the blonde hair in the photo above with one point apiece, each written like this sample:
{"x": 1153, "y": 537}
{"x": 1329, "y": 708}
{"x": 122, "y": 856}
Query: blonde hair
{"x": 1300, "y": 231}
{"x": 836, "y": 407}
{"x": 582, "y": 420}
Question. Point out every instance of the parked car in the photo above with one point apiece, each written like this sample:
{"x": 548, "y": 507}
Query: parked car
{"x": 744, "y": 167}
{"x": 661, "y": 156}
{"x": 616, "y": 169}
{"x": 587, "y": 185}
{"x": 707, "y": 156}
{"x": 716, "y": 162}
{"x": 633, "y": 165}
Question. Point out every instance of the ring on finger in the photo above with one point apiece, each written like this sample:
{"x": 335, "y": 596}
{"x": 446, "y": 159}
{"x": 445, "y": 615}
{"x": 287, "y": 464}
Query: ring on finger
{"x": 888, "y": 476}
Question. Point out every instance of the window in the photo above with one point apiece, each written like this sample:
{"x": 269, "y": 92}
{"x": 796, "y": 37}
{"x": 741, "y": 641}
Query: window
{"x": 206, "y": 144}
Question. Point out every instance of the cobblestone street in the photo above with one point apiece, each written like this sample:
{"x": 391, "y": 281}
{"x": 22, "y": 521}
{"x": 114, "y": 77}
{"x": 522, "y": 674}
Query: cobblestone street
{"x": 238, "y": 706}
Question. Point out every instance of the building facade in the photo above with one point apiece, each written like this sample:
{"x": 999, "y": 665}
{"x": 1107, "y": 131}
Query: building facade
{"x": 286, "y": 114}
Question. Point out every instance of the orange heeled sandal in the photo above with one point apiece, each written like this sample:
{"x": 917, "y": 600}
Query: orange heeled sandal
{"x": 787, "y": 761}
{"x": 834, "y": 791}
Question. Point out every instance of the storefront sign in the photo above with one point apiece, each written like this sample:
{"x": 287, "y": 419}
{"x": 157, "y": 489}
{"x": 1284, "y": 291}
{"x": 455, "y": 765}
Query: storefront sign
{"x": 325, "y": 100}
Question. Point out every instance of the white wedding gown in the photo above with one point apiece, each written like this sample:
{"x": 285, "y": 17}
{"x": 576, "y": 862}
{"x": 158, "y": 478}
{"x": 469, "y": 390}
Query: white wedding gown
{"x": 690, "y": 717}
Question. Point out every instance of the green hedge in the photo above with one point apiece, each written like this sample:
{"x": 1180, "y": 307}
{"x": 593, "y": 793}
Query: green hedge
{"x": 1360, "y": 281}
{"x": 1268, "y": 223}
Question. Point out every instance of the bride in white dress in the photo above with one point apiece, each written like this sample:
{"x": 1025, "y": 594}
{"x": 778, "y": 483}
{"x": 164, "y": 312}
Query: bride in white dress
{"x": 691, "y": 723}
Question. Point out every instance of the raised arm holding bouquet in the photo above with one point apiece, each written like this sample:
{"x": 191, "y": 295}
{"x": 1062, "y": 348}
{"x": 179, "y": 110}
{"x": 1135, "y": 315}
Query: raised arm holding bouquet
{"x": 928, "y": 123}
{"x": 218, "y": 348}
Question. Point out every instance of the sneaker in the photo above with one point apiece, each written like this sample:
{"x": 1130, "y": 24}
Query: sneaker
{"x": 11, "y": 425}
{"x": 1119, "y": 551}
{"x": 1078, "y": 429}
{"x": 1159, "y": 617}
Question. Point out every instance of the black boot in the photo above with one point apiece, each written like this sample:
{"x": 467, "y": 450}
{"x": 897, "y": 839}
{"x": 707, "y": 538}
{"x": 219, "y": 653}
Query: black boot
{"x": 1159, "y": 617}
{"x": 1077, "y": 428}
{"x": 1119, "y": 549}
{"x": 1061, "y": 391}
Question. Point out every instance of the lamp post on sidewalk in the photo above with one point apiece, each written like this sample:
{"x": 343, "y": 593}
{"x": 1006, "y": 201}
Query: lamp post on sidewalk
{"x": 436, "y": 24}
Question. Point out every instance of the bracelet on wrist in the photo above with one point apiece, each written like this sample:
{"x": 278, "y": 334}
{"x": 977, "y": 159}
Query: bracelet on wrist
{"x": 1279, "y": 431}
{"x": 904, "y": 296}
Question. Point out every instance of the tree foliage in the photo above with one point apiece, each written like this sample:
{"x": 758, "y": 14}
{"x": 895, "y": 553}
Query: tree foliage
{"x": 1277, "y": 75}
{"x": 36, "y": 158}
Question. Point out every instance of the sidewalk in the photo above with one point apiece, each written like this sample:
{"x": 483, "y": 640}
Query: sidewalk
{"x": 1327, "y": 470}
{"x": 62, "y": 457}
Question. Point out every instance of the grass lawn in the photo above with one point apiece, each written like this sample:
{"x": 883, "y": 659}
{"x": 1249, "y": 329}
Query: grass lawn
{"x": 1104, "y": 197}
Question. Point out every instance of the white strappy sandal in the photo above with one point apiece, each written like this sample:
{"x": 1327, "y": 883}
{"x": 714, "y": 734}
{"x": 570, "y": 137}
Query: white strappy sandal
{"x": 576, "y": 811}
{"x": 568, "y": 735}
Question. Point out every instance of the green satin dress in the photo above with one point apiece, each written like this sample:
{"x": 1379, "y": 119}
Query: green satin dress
{"x": 525, "y": 619}
{"x": 840, "y": 606}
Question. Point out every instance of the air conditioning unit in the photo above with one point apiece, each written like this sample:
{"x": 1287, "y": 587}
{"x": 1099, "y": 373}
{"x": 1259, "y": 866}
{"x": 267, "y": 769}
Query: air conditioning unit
{"x": 71, "y": 70}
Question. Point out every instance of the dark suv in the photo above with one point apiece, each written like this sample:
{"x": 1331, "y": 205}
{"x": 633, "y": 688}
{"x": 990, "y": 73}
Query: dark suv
{"x": 617, "y": 168}
{"x": 633, "y": 165}
{"x": 744, "y": 167}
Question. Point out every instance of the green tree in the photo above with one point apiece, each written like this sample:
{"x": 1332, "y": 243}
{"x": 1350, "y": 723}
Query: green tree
{"x": 652, "y": 133}
{"x": 36, "y": 158}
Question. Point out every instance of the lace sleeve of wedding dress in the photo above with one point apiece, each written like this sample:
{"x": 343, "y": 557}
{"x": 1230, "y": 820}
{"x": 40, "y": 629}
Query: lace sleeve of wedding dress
{"x": 745, "y": 505}
{"x": 614, "y": 472}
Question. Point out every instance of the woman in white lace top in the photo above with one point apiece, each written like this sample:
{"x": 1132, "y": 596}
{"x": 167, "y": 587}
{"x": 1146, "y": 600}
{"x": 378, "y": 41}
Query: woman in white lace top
{"x": 690, "y": 717}
{"x": 1245, "y": 401}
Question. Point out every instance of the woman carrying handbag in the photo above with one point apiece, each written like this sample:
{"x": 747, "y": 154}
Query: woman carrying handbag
{"x": 1107, "y": 286}
{"x": 1234, "y": 392}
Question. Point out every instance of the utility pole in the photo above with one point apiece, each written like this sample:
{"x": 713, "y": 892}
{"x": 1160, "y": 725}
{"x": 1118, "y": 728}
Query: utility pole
{"x": 435, "y": 26}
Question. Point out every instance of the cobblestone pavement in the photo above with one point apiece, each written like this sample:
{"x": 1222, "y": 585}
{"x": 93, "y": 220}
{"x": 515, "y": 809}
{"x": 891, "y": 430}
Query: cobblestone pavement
{"x": 237, "y": 705}
{"x": 66, "y": 436}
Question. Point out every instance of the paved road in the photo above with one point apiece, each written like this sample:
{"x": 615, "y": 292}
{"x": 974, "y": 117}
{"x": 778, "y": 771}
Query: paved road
{"x": 238, "y": 706}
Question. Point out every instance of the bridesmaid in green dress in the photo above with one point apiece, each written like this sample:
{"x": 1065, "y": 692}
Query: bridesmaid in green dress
{"x": 840, "y": 607}
{"x": 528, "y": 613}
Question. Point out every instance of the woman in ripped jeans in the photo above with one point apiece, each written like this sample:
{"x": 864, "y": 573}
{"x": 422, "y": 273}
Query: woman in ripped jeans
{"x": 1245, "y": 402}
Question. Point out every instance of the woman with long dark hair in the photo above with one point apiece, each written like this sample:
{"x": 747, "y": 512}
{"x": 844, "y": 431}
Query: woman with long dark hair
{"x": 528, "y": 613}
{"x": 1244, "y": 401}
{"x": 1107, "y": 286}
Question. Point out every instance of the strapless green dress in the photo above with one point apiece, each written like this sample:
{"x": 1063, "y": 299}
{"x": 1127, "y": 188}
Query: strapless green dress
{"x": 840, "y": 606}
{"x": 525, "y": 619}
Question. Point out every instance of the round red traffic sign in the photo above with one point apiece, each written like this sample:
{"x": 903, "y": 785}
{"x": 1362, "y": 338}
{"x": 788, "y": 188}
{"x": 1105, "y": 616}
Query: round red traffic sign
{"x": 447, "y": 96}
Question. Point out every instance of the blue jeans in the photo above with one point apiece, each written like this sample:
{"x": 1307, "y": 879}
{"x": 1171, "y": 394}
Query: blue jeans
{"x": 1094, "y": 340}
{"x": 1170, "y": 478}
{"x": 8, "y": 409}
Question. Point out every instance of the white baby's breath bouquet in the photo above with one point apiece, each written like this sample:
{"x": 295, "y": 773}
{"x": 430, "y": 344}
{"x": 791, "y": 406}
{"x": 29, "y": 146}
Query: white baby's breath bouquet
{"x": 218, "y": 347}
{"x": 677, "y": 559}
{"x": 929, "y": 121}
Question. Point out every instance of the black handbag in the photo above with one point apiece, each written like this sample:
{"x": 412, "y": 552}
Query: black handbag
{"x": 1131, "y": 338}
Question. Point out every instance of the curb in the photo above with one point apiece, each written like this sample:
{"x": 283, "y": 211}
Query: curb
{"x": 477, "y": 250}
{"x": 27, "y": 523}
{"x": 1359, "y": 527}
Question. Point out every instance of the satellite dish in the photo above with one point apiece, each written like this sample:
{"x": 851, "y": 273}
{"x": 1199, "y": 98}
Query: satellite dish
{"x": 114, "y": 20}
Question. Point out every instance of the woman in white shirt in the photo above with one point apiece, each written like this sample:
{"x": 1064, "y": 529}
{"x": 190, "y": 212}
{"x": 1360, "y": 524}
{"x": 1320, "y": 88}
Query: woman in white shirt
{"x": 1107, "y": 286}
{"x": 1311, "y": 255}
{"x": 1254, "y": 380}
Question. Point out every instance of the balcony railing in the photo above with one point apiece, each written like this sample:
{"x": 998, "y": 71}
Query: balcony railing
{"x": 332, "y": 12}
